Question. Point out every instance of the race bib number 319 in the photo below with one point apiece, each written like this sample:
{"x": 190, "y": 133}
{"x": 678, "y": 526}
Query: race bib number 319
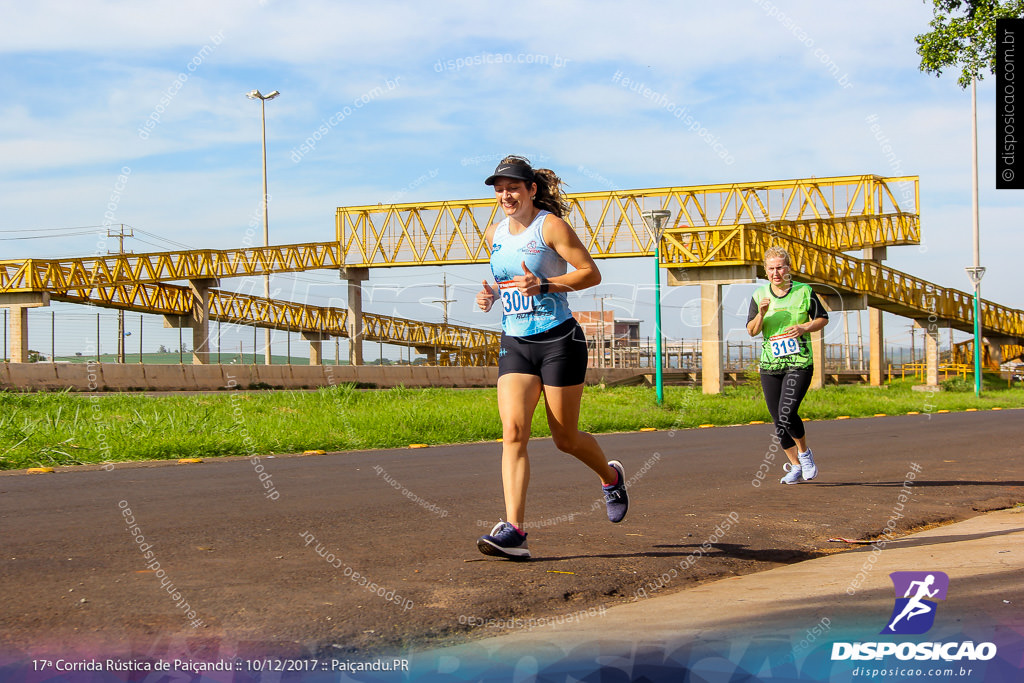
{"x": 784, "y": 347}
{"x": 513, "y": 300}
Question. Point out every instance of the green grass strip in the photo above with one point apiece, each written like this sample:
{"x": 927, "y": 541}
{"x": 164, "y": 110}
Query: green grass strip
{"x": 56, "y": 429}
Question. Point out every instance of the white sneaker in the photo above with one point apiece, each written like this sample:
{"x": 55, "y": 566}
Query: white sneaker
{"x": 793, "y": 476}
{"x": 808, "y": 470}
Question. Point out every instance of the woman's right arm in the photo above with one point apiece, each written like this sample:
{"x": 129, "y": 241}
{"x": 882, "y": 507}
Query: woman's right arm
{"x": 755, "y": 316}
{"x": 485, "y": 297}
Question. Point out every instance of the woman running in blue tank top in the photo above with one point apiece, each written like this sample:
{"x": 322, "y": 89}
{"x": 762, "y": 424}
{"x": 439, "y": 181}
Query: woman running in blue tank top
{"x": 543, "y": 349}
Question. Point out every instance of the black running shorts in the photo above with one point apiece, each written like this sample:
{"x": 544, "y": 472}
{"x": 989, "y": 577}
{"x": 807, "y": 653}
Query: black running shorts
{"x": 558, "y": 356}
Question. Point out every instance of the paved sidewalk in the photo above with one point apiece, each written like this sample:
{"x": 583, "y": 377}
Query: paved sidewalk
{"x": 784, "y": 621}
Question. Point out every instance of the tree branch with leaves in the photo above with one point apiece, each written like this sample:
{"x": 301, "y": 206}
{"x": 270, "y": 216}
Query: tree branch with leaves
{"x": 963, "y": 36}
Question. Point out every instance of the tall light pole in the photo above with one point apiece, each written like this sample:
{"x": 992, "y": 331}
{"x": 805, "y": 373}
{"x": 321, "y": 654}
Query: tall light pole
{"x": 655, "y": 221}
{"x": 977, "y": 271}
{"x": 257, "y": 95}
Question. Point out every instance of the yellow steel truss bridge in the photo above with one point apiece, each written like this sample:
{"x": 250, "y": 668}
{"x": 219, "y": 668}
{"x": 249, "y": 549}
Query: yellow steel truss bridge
{"x": 885, "y": 288}
{"x": 712, "y": 226}
{"x": 842, "y": 214}
{"x": 470, "y": 346}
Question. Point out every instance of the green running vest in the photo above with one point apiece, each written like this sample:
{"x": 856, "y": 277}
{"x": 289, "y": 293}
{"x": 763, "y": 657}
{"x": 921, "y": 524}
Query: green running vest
{"x": 784, "y": 312}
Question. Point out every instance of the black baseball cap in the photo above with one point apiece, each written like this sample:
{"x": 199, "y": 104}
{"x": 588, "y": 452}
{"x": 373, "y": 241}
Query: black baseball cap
{"x": 512, "y": 169}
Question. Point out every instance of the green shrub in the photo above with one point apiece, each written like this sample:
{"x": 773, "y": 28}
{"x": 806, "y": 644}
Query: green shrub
{"x": 957, "y": 384}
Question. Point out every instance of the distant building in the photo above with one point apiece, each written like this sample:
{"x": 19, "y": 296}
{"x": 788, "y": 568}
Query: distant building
{"x": 609, "y": 331}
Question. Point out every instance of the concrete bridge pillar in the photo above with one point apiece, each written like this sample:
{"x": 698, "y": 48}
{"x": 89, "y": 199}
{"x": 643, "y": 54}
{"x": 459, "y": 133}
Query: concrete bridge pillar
{"x": 995, "y": 344}
{"x": 712, "y": 335}
{"x": 876, "y": 332}
{"x": 316, "y": 340}
{"x": 430, "y": 352}
{"x": 354, "y": 318}
{"x": 19, "y": 303}
{"x": 712, "y": 371}
{"x": 818, "y": 358}
{"x": 931, "y": 328}
{"x": 198, "y": 319}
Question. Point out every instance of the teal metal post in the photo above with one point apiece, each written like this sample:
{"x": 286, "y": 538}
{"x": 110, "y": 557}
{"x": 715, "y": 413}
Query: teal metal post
{"x": 655, "y": 221}
{"x": 977, "y": 343}
{"x": 976, "y": 273}
{"x": 658, "y": 383}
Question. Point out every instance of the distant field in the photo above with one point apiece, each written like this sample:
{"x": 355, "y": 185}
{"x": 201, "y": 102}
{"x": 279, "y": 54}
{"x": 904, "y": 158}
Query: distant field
{"x": 52, "y": 429}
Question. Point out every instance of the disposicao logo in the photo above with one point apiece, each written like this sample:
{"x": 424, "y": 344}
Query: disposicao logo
{"x": 913, "y": 613}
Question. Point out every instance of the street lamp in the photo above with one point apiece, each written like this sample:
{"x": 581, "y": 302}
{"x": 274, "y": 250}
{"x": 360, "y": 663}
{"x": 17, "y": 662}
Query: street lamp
{"x": 257, "y": 95}
{"x": 655, "y": 221}
{"x": 977, "y": 271}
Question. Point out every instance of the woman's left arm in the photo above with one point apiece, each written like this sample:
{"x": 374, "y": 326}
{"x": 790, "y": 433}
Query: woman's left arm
{"x": 813, "y": 325}
{"x": 563, "y": 239}
{"x": 803, "y": 328}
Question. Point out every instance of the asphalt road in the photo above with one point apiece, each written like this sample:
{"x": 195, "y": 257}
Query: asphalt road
{"x": 373, "y": 552}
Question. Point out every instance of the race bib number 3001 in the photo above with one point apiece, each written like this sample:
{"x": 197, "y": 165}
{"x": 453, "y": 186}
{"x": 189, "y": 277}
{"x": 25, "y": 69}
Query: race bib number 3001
{"x": 513, "y": 300}
{"x": 784, "y": 347}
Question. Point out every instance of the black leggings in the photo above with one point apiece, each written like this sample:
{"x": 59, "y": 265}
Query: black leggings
{"x": 558, "y": 356}
{"x": 783, "y": 394}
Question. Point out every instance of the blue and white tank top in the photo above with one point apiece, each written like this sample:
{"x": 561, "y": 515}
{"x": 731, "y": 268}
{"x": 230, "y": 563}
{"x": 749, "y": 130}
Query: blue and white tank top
{"x": 526, "y": 315}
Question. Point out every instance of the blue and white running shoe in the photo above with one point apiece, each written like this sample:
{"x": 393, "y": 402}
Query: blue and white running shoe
{"x": 504, "y": 541}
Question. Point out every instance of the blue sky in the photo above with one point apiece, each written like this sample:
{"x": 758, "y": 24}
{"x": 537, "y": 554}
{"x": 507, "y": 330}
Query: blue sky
{"x": 425, "y": 98}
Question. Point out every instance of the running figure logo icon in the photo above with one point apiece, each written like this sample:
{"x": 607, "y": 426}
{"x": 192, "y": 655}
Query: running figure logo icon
{"x": 914, "y": 613}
